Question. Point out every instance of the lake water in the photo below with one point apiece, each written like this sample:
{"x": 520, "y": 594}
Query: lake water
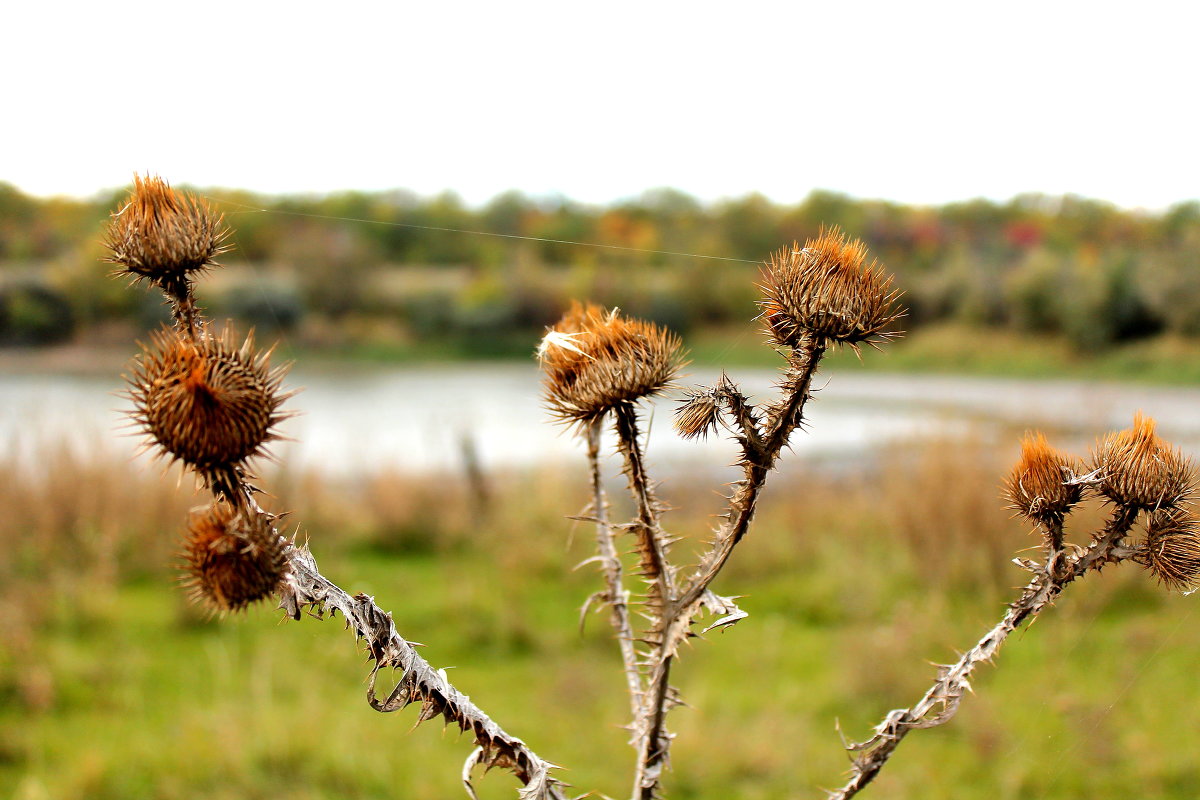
{"x": 415, "y": 418}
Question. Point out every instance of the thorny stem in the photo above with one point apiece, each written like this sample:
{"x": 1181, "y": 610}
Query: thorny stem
{"x": 652, "y": 542}
{"x": 759, "y": 457}
{"x": 649, "y": 739}
{"x": 305, "y": 588}
{"x": 783, "y": 419}
{"x": 615, "y": 593}
{"x": 183, "y": 309}
{"x": 953, "y": 681}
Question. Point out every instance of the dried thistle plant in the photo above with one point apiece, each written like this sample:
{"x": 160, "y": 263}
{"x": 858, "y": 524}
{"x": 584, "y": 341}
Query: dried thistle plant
{"x": 1136, "y": 472}
{"x": 813, "y": 297}
{"x": 214, "y": 404}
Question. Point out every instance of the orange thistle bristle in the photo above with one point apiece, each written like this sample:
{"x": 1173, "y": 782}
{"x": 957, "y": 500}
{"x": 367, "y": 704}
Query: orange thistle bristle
{"x": 827, "y": 291}
{"x": 1172, "y": 548}
{"x": 232, "y": 558}
{"x": 593, "y": 360}
{"x": 211, "y": 403}
{"x": 165, "y": 236}
{"x": 1137, "y": 469}
{"x": 1037, "y": 487}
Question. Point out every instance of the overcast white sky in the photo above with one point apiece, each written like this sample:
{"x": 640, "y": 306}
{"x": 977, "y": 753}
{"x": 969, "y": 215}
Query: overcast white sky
{"x": 921, "y": 102}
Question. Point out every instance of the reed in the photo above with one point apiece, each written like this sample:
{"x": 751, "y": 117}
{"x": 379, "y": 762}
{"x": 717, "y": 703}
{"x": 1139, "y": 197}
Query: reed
{"x": 210, "y": 399}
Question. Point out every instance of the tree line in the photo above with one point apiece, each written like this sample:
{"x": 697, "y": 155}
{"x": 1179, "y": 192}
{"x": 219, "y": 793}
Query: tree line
{"x": 350, "y": 264}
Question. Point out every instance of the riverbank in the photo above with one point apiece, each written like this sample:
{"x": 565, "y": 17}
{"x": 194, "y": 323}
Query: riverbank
{"x": 938, "y": 349}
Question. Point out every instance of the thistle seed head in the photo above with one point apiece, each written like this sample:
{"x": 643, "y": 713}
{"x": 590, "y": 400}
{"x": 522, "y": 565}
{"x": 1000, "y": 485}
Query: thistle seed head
{"x": 1137, "y": 469}
{"x": 825, "y": 290}
{"x": 1037, "y": 486}
{"x": 209, "y": 403}
{"x": 232, "y": 558}
{"x": 1172, "y": 548}
{"x": 165, "y": 236}
{"x": 593, "y": 360}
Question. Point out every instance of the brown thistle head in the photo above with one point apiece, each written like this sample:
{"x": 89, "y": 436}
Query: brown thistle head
{"x": 593, "y": 360}
{"x": 1136, "y": 469}
{"x": 209, "y": 403}
{"x": 232, "y": 558}
{"x": 1172, "y": 548}
{"x": 827, "y": 291}
{"x": 1037, "y": 487}
{"x": 165, "y": 236}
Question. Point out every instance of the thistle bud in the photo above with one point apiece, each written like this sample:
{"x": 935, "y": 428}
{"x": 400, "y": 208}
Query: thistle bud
{"x": 825, "y": 290}
{"x": 165, "y": 236}
{"x": 593, "y": 360}
{"x": 1038, "y": 485}
{"x": 232, "y": 558}
{"x": 208, "y": 403}
{"x": 1172, "y": 548}
{"x": 1139, "y": 470}
{"x": 699, "y": 414}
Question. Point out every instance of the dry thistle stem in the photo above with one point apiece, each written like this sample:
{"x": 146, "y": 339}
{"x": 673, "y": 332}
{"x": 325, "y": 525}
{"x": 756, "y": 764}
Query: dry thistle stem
{"x": 165, "y": 236}
{"x": 1038, "y": 485}
{"x": 1172, "y": 548}
{"x": 595, "y": 360}
{"x": 825, "y": 289}
{"x": 233, "y": 558}
{"x": 1137, "y": 469}
{"x": 208, "y": 403}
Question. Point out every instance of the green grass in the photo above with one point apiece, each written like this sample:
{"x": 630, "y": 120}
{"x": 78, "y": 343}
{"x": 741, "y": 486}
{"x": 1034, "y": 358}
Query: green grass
{"x": 853, "y": 588}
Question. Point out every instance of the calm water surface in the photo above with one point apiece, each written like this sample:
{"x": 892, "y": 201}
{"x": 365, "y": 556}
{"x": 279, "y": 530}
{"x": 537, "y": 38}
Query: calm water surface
{"x": 416, "y": 418}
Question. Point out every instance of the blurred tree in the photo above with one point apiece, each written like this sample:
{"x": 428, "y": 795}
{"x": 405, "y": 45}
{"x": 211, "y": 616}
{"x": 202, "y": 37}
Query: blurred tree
{"x": 333, "y": 262}
{"x": 34, "y": 313}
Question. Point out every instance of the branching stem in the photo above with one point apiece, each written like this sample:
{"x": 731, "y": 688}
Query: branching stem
{"x": 940, "y": 703}
{"x": 759, "y": 455}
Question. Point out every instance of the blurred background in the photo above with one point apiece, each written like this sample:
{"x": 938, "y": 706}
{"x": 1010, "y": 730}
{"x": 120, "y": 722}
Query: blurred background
{"x": 1028, "y": 176}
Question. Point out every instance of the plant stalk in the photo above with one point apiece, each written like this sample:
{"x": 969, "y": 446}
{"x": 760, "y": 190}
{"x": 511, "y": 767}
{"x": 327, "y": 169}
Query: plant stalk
{"x": 953, "y": 680}
{"x": 758, "y": 459}
{"x": 610, "y": 562}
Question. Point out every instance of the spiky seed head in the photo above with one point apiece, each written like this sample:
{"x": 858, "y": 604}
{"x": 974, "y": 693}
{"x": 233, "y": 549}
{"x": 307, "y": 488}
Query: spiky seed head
{"x": 1137, "y": 469}
{"x": 1172, "y": 548}
{"x": 827, "y": 290}
{"x": 165, "y": 236}
{"x": 231, "y": 558}
{"x": 1038, "y": 485}
{"x": 593, "y": 359}
{"x": 209, "y": 403}
{"x": 698, "y": 415}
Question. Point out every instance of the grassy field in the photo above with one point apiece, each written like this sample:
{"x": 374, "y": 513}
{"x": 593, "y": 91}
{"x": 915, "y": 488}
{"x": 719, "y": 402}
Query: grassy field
{"x": 112, "y": 687}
